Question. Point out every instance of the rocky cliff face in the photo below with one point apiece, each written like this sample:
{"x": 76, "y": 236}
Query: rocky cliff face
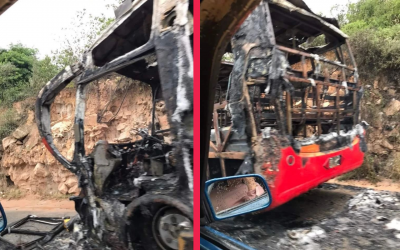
{"x": 381, "y": 109}
{"x": 30, "y": 165}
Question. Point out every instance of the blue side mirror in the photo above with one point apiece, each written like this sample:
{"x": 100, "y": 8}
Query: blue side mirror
{"x": 3, "y": 219}
{"x": 235, "y": 195}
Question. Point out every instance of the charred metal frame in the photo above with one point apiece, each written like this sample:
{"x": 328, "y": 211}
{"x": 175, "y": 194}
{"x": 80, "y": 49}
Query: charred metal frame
{"x": 169, "y": 42}
{"x": 355, "y": 87}
{"x": 270, "y": 103}
{"x": 217, "y": 28}
{"x": 47, "y": 236}
{"x": 279, "y": 86}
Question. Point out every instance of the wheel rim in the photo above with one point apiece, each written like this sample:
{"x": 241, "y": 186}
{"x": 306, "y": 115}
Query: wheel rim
{"x": 166, "y": 227}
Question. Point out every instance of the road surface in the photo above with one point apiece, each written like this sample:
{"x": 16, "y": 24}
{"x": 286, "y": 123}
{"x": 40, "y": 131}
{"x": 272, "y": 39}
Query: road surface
{"x": 18, "y": 209}
{"x": 332, "y": 217}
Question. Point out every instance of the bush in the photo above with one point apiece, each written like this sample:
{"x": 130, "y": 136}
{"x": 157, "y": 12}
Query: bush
{"x": 377, "y": 53}
{"x": 42, "y": 72}
{"x": 22, "y": 58}
{"x": 8, "y": 123}
{"x": 366, "y": 171}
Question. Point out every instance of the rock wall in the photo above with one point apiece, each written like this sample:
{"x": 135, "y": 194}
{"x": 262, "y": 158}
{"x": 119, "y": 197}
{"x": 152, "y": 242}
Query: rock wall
{"x": 32, "y": 168}
{"x": 30, "y": 165}
{"x": 381, "y": 109}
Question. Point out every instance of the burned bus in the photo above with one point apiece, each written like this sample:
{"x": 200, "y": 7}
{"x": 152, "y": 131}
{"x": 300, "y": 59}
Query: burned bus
{"x": 136, "y": 194}
{"x": 288, "y": 105}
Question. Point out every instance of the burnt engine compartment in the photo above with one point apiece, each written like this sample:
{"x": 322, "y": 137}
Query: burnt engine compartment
{"x": 128, "y": 164}
{"x": 126, "y": 179}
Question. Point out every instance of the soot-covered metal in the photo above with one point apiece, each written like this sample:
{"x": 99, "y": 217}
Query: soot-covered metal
{"x": 289, "y": 105}
{"x": 135, "y": 194}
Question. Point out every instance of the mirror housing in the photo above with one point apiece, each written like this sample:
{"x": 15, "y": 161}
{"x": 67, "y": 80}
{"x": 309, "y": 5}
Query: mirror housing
{"x": 3, "y": 219}
{"x": 236, "y": 195}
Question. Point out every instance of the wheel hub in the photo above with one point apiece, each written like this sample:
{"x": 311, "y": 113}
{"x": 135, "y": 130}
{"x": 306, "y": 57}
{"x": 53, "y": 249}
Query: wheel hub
{"x": 169, "y": 226}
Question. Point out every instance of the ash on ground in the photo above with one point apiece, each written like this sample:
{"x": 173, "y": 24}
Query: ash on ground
{"x": 328, "y": 218}
{"x": 75, "y": 240}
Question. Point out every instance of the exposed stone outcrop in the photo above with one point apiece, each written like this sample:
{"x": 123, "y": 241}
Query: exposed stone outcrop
{"x": 30, "y": 165}
{"x": 8, "y": 141}
{"x": 381, "y": 109}
{"x": 40, "y": 170}
{"x": 22, "y": 131}
{"x": 392, "y": 107}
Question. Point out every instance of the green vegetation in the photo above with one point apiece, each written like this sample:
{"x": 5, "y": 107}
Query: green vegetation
{"x": 22, "y": 59}
{"x": 20, "y": 73}
{"x": 84, "y": 29}
{"x": 23, "y": 74}
{"x": 9, "y": 191}
{"x": 16, "y": 65}
{"x": 366, "y": 171}
{"x": 374, "y": 30}
{"x": 42, "y": 71}
{"x": 8, "y": 123}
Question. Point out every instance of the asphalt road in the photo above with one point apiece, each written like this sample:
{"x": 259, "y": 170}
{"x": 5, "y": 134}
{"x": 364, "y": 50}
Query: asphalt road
{"x": 18, "y": 209}
{"x": 15, "y": 215}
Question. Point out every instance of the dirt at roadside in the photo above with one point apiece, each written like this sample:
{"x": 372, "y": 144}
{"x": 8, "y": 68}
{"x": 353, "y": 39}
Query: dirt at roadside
{"x": 34, "y": 204}
{"x": 328, "y": 218}
{"x": 383, "y": 185}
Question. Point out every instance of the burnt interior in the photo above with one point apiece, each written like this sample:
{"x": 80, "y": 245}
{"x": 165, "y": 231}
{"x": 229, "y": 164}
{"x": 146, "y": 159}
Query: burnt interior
{"x": 303, "y": 103}
{"x": 150, "y": 156}
{"x": 124, "y": 185}
{"x": 287, "y": 86}
{"x": 143, "y": 157}
{"x": 292, "y": 30}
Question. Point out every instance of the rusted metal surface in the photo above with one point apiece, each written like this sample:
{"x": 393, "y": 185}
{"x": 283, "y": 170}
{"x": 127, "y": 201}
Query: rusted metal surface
{"x": 297, "y": 79}
{"x": 212, "y": 145}
{"x": 227, "y": 155}
{"x": 223, "y": 146}
{"x": 216, "y": 128}
{"x": 338, "y": 109}
{"x": 318, "y": 110}
{"x": 289, "y": 113}
{"x": 296, "y": 52}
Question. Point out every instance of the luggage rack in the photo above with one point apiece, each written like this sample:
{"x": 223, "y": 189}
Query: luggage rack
{"x": 58, "y": 223}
